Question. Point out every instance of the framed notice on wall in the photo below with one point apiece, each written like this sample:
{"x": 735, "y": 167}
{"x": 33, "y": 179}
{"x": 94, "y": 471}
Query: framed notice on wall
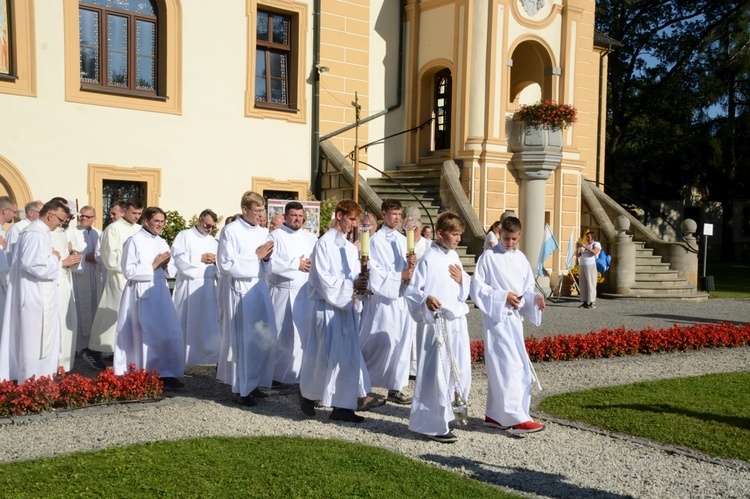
{"x": 312, "y": 213}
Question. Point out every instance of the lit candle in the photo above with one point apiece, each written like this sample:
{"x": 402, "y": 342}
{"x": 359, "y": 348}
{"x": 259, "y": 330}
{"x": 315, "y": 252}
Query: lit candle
{"x": 410, "y": 240}
{"x": 364, "y": 243}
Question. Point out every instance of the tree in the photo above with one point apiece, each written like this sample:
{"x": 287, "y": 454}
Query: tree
{"x": 675, "y": 89}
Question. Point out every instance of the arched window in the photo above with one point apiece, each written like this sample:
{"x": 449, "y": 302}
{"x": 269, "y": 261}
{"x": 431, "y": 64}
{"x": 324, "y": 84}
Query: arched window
{"x": 119, "y": 46}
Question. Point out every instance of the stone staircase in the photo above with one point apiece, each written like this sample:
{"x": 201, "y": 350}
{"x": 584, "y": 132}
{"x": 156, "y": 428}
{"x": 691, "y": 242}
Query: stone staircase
{"x": 654, "y": 280}
{"x": 423, "y": 182}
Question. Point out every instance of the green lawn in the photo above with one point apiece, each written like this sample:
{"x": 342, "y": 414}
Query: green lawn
{"x": 237, "y": 467}
{"x": 731, "y": 280}
{"x": 707, "y": 413}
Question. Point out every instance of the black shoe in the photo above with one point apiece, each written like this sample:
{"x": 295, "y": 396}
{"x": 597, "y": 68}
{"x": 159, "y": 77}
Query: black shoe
{"x": 307, "y": 406}
{"x": 276, "y": 384}
{"x": 172, "y": 383}
{"x": 448, "y": 438}
{"x": 339, "y": 414}
{"x": 94, "y": 359}
{"x": 258, "y": 394}
{"x": 247, "y": 400}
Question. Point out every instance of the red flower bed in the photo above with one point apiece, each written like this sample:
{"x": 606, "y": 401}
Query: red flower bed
{"x": 73, "y": 390}
{"x": 619, "y": 342}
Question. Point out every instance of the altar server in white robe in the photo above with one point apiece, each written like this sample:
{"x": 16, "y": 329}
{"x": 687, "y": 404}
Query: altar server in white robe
{"x": 333, "y": 370}
{"x": 225, "y": 369}
{"x": 87, "y": 277}
{"x": 116, "y": 211}
{"x": 148, "y": 331}
{"x": 31, "y": 320}
{"x": 503, "y": 289}
{"x": 244, "y": 252}
{"x": 195, "y": 297}
{"x": 387, "y": 328}
{"x": 421, "y": 244}
{"x": 8, "y": 211}
{"x": 31, "y": 210}
{"x": 102, "y": 339}
{"x": 288, "y": 278}
{"x": 68, "y": 249}
{"x": 440, "y": 285}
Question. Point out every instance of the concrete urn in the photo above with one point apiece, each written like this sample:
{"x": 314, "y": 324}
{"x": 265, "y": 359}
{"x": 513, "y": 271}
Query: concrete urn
{"x": 528, "y": 137}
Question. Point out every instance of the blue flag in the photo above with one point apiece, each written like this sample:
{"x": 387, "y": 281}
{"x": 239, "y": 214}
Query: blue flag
{"x": 548, "y": 247}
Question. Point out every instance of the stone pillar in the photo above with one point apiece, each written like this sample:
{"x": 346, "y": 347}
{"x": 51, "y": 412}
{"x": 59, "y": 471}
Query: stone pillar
{"x": 623, "y": 258}
{"x": 681, "y": 258}
{"x": 536, "y": 154}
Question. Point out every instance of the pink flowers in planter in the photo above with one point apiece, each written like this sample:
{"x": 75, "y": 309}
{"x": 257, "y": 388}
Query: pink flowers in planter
{"x": 73, "y": 390}
{"x": 620, "y": 342}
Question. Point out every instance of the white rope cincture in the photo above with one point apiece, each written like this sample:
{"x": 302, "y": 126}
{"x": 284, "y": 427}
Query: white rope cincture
{"x": 459, "y": 405}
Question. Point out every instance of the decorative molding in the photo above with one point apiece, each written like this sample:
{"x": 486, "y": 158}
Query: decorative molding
{"x": 172, "y": 9}
{"x": 99, "y": 173}
{"x": 301, "y": 187}
{"x": 24, "y": 51}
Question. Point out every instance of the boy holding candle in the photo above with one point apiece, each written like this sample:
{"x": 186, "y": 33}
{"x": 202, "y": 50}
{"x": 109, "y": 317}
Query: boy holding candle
{"x": 440, "y": 285}
{"x": 386, "y": 331}
{"x": 332, "y": 366}
{"x": 503, "y": 289}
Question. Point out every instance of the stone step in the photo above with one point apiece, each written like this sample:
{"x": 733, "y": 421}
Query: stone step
{"x": 388, "y": 191}
{"x": 663, "y": 280}
{"x": 648, "y": 260}
{"x": 694, "y": 296}
{"x": 654, "y": 267}
{"x": 656, "y": 275}
{"x": 654, "y": 287}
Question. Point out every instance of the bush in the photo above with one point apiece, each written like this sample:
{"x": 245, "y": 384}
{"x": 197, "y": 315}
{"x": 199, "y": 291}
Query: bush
{"x": 620, "y": 342}
{"x": 63, "y": 390}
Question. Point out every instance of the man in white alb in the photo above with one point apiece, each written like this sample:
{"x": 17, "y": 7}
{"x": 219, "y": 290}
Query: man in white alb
{"x": 290, "y": 265}
{"x": 102, "y": 339}
{"x": 195, "y": 297}
{"x": 31, "y": 317}
{"x": 244, "y": 252}
{"x": 87, "y": 277}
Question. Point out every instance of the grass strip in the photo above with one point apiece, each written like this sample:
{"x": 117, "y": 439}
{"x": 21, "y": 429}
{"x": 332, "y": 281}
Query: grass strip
{"x": 708, "y": 413}
{"x": 237, "y": 467}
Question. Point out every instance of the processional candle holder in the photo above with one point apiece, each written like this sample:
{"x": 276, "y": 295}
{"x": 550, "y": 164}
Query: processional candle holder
{"x": 409, "y": 226}
{"x": 365, "y": 226}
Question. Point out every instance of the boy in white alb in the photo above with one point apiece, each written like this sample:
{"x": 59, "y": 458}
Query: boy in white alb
{"x": 503, "y": 289}
{"x": 440, "y": 285}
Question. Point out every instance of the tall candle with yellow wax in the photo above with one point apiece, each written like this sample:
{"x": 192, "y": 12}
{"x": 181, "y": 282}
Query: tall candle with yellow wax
{"x": 364, "y": 243}
{"x": 410, "y": 240}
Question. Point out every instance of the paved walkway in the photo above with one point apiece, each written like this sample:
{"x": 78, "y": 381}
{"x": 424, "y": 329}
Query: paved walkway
{"x": 564, "y": 317}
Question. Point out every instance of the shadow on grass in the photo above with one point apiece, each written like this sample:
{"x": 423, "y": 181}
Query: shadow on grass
{"x": 742, "y": 423}
{"x": 521, "y": 479}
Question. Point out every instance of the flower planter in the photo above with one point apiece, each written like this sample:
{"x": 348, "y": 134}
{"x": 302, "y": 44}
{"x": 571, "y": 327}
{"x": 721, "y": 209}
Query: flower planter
{"x": 527, "y": 137}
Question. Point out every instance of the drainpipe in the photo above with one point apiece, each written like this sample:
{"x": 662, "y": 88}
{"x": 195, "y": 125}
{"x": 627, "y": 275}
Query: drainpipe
{"x": 315, "y": 112}
{"x": 400, "y": 83}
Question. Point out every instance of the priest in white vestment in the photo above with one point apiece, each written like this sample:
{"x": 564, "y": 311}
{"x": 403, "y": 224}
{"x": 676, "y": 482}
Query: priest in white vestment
{"x": 8, "y": 211}
{"x": 440, "y": 284}
{"x": 31, "y": 210}
{"x": 288, "y": 278}
{"x": 387, "y": 327}
{"x": 31, "y": 323}
{"x": 503, "y": 289}
{"x": 66, "y": 307}
{"x": 102, "y": 339}
{"x": 148, "y": 330}
{"x": 244, "y": 251}
{"x": 225, "y": 369}
{"x": 195, "y": 292}
{"x": 87, "y": 277}
{"x": 333, "y": 370}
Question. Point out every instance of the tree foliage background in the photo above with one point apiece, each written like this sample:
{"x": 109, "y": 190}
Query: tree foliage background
{"x": 678, "y": 116}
